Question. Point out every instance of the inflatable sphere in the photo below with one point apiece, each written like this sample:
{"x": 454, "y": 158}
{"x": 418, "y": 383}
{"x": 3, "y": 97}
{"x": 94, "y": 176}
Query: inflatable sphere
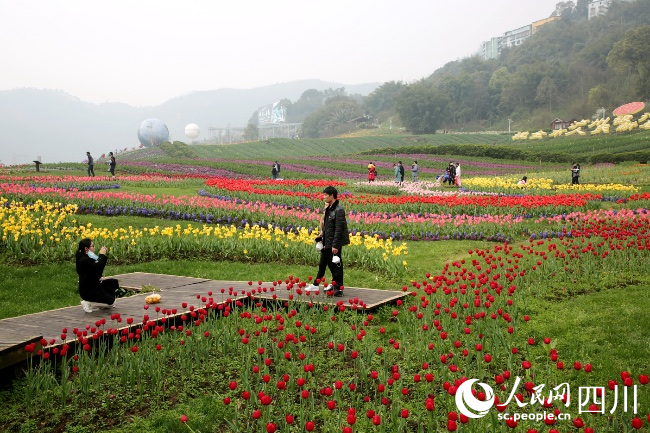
{"x": 153, "y": 132}
{"x": 192, "y": 131}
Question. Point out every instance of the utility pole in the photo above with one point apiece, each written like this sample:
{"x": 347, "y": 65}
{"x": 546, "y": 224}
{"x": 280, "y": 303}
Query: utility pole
{"x": 509, "y": 122}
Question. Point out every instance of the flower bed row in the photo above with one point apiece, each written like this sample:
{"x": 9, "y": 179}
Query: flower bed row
{"x": 458, "y": 217}
{"x": 47, "y": 231}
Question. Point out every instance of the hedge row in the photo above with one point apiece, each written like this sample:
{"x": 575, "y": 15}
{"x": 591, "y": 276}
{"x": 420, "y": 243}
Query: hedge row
{"x": 510, "y": 153}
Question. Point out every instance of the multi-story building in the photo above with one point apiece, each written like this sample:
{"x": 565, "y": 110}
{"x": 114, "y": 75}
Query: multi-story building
{"x": 512, "y": 38}
{"x": 539, "y": 23}
{"x": 600, "y": 7}
{"x": 596, "y": 8}
{"x": 491, "y": 49}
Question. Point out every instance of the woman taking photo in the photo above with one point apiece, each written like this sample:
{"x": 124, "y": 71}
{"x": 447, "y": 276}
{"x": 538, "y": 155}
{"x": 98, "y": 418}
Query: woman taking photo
{"x": 90, "y": 268}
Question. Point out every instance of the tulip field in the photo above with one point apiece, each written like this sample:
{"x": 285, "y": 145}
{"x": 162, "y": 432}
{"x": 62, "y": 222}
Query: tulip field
{"x": 528, "y": 304}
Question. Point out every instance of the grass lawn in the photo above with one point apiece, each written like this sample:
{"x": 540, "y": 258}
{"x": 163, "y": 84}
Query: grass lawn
{"x": 607, "y": 328}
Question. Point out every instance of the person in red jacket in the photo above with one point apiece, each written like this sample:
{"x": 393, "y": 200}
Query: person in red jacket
{"x": 372, "y": 172}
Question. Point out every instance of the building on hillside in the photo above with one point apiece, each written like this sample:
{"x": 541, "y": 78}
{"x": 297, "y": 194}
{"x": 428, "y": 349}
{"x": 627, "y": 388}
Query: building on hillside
{"x": 561, "y": 124}
{"x": 271, "y": 114}
{"x": 539, "y": 23}
{"x": 365, "y": 121}
{"x": 515, "y": 37}
{"x": 491, "y": 49}
{"x": 597, "y": 8}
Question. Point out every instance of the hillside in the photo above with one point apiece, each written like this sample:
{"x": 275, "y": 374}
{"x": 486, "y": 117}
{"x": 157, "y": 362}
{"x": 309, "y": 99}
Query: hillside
{"x": 569, "y": 69}
{"x": 610, "y": 148}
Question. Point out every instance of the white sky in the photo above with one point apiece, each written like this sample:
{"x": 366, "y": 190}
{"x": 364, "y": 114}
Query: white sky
{"x": 144, "y": 52}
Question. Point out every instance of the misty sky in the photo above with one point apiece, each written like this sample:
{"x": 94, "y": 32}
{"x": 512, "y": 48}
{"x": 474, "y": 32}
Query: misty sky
{"x": 144, "y": 52}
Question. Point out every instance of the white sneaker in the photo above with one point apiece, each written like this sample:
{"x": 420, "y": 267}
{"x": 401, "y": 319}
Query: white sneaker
{"x": 329, "y": 287}
{"x": 88, "y": 308}
{"x": 312, "y": 288}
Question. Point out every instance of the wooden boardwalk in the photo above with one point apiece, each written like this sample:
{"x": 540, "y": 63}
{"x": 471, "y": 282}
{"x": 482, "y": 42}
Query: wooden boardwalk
{"x": 175, "y": 291}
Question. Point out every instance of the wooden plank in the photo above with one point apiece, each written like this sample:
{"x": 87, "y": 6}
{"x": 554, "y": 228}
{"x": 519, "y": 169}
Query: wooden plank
{"x": 13, "y": 352}
{"x": 136, "y": 280}
{"x": 365, "y": 299}
{"x": 9, "y": 342}
{"x": 16, "y": 332}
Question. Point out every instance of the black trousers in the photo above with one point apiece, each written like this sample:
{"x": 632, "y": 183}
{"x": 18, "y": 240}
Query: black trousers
{"x": 105, "y": 293}
{"x": 91, "y": 170}
{"x": 575, "y": 180}
{"x": 335, "y": 268}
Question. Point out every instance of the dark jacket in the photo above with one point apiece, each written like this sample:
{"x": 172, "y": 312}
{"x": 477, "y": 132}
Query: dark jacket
{"x": 90, "y": 272}
{"x": 335, "y": 227}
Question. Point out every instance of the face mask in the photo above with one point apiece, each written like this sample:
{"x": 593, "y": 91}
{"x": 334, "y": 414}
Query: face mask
{"x": 93, "y": 255}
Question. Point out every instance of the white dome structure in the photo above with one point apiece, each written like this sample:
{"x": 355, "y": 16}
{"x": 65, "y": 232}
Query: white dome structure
{"x": 192, "y": 130}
